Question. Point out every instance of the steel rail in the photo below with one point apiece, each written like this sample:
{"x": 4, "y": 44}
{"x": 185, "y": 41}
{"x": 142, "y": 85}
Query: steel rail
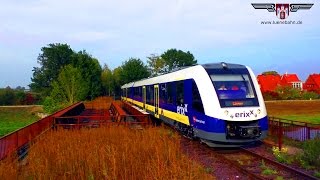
{"x": 280, "y": 165}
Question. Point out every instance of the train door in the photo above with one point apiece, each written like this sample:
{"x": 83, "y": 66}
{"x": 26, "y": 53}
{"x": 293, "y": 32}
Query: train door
{"x": 156, "y": 101}
{"x": 144, "y": 97}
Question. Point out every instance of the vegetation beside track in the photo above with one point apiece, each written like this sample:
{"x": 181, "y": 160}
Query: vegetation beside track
{"x": 13, "y": 118}
{"x": 114, "y": 152}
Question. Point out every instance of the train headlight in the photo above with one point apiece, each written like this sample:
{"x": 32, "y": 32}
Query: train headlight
{"x": 226, "y": 112}
{"x": 258, "y": 111}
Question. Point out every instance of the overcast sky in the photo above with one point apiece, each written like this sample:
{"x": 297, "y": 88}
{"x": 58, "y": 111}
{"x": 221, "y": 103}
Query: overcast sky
{"x": 114, "y": 31}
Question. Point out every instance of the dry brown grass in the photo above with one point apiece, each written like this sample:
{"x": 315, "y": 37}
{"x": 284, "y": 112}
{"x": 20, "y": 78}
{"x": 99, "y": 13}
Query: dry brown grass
{"x": 99, "y": 103}
{"x": 114, "y": 152}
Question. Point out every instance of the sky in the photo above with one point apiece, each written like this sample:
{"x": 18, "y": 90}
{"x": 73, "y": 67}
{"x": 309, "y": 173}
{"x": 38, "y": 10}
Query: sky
{"x": 115, "y": 30}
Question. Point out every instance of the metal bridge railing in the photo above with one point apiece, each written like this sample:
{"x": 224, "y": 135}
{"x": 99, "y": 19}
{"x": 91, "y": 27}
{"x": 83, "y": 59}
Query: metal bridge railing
{"x": 19, "y": 139}
{"x": 295, "y": 130}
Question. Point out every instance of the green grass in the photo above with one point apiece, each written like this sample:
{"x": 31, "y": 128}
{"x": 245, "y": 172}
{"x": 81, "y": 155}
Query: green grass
{"x": 315, "y": 118}
{"x": 13, "y": 118}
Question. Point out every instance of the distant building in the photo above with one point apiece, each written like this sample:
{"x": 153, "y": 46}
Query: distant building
{"x": 291, "y": 80}
{"x": 312, "y": 83}
{"x": 268, "y": 82}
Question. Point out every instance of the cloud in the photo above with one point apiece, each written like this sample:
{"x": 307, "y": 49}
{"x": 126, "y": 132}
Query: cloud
{"x": 116, "y": 30}
{"x": 200, "y": 22}
{"x": 91, "y": 36}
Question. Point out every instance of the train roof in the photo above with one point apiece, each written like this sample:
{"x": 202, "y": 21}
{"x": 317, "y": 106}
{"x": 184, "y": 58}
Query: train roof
{"x": 183, "y": 73}
{"x": 222, "y": 65}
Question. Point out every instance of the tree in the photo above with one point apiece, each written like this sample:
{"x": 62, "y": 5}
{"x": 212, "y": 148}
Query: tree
{"x": 107, "y": 80}
{"x": 20, "y": 97}
{"x": 156, "y": 65}
{"x": 69, "y": 87}
{"x": 271, "y": 73}
{"x": 20, "y": 88}
{"x": 7, "y": 96}
{"x": 51, "y": 60}
{"x": 91, "y": 72}
{"x": 176, "y": 58}
{"x": 116, "y": 74}
{"x": 133, "y": 70}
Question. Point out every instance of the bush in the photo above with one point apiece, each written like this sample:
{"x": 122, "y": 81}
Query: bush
{"x": 10, "y": 96}
{"x": 50, "y": 105}
{"x": 288, "y": 93}
{"x": 309, "y": 95}
{"x": 311, "y": 153}
{"x": 7, "y": 96}
{"x": 282, "y": 156}
{"x": 270, "y": 95}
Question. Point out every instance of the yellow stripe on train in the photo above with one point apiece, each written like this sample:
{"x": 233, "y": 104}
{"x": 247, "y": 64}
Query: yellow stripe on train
{"x": 169, "y": 114}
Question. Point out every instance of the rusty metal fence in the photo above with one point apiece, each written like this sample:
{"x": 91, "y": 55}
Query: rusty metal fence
{"x": 78, "y": 122}
{"x": 20, "y": 138}
{"x": 75, "y": 116}
{"x": 295, "y": 130}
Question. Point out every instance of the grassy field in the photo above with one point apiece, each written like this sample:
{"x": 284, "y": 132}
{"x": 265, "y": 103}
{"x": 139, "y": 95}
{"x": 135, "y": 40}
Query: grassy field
{"x": 307, "y": 111}
{"x": 13, "y": 118}
{"x": 114, "y": 152}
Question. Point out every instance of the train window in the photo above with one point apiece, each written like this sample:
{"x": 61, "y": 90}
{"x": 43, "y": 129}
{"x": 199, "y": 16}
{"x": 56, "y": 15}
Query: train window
{"x": 238, "y": 86}
{"x": 150, "y": 94}
{"x": 140, "y": 91}
{"x": 196, "y": 98}
{"x": 137, "y": 92}
{"x": 235, "y": 89}
{"x": 131, "y": 92}
{"x": 170, "y": 93}
{"x": 162, "y": 93}
{"x": 180, "y": 93}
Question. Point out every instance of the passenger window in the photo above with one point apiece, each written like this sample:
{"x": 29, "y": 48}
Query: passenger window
{"x": 180, "y": 93}
{"x": 169, "y": 93}
{"x": 162, "y": 93}
{"x": 149, "y": 92}
{"x": 140, "y": 92}
{"x": 196, "y": 98}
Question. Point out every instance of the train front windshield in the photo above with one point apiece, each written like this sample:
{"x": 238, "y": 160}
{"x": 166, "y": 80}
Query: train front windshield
{"x": 234, "y": 89}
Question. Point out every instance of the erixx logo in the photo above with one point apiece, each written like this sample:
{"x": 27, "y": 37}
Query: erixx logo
{"x": 244, "y": 114}
{"x": 182, "y": 110}
{"x": 282, "y": 10}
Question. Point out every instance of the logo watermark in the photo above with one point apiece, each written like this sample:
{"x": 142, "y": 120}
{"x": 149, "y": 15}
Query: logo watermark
{"x": 282, "y": 11}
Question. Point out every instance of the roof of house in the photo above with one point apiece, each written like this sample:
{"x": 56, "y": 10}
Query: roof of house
{"x": 268, "y": 82}
{"x": 289, "y": 78}
{"x": 315, "y": 78}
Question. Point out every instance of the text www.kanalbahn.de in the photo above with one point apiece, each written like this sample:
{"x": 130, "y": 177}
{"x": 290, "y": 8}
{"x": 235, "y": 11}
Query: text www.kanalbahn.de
{"x": 281, "y": 22}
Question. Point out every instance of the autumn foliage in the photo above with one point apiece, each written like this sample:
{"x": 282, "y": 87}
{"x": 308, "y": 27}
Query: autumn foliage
{"x": 113, "y": 152}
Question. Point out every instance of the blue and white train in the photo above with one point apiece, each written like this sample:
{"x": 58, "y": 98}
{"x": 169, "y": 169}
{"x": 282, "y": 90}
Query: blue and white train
{"x": 219, "y": 103}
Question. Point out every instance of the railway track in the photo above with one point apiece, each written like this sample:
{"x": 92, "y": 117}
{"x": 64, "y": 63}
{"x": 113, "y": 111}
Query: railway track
{"x": 260, "y": 167}
{"x": 240, "y": 163}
